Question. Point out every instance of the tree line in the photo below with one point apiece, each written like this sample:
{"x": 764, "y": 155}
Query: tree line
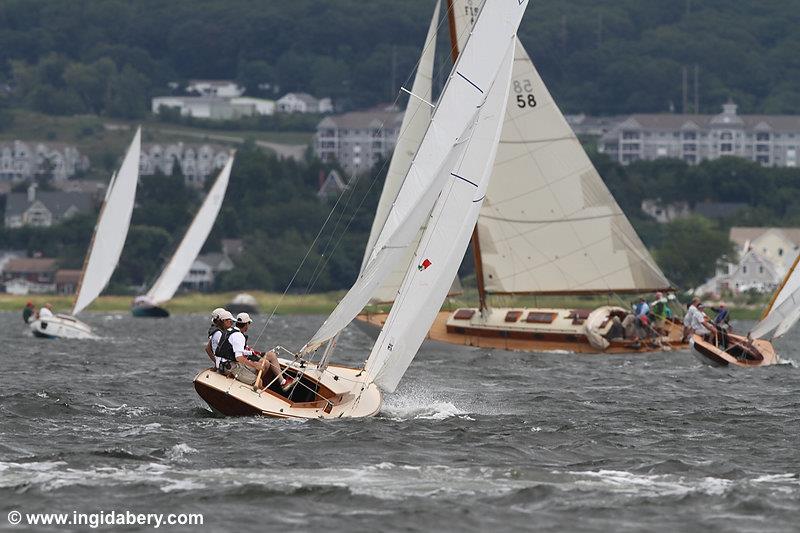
{"x": 110, "y": 56}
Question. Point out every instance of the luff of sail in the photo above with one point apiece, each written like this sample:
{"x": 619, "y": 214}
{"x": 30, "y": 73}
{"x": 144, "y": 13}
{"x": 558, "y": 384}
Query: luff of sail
{"x": 181, "y": 261}
{"x": 442, "y": 247}
{"x": 784, "y": 310}
{"x": 549, "y": 223}
{"x": 111, "y": 229}
{"x": 471, "y": 76}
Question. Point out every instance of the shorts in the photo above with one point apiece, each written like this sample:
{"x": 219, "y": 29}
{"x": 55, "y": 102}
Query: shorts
{"x": 242, "y": 373}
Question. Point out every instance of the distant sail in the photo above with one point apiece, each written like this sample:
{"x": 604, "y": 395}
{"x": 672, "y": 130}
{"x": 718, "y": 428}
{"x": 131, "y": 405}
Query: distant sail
{"x": 549, "y": 223}
{"x": 111, "y": 229}
{"x": 784, "y": 310}
{"x": 173, "y": 274}
{"x": 442, "y": 247}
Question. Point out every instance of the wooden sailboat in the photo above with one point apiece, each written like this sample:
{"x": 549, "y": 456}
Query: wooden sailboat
{"x": 104, "y": 251}
{"x": 549, "y": 226}
{"x": 783, "y": 312}
{"x": 175, "y": 271}
{"x": 445, "y": 187}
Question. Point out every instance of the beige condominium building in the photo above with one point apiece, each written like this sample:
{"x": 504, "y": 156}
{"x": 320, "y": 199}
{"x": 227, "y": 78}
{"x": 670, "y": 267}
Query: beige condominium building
{"x": 771, "y": 140}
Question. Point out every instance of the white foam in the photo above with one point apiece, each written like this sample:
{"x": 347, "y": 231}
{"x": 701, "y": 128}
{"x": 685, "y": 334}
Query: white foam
{"x": 419, "y": 404}
{"x": 177, "y": 452}
{"x": 650, "y": 485}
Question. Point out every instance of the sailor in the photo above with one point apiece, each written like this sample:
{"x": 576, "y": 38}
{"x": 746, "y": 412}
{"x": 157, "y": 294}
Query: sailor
{"x": 46, "y": 311}
{"x": 722, "y": 323}
{"x": 221, "y": 320}
{"x": 696, "y": 320}
{"x": 28, "y": 312}
{"x": 243, "y": 322}
{"x": 660, "y": 308}
{"x": 240, "y": 362}
{"x": 641, "y": 309}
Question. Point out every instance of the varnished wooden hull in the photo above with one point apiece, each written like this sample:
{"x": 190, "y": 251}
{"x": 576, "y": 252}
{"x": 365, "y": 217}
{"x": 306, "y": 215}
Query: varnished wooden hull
{"x": 529, "y": 339}
{"x": 337, "y": 393}
{"x": 739, "y": 352}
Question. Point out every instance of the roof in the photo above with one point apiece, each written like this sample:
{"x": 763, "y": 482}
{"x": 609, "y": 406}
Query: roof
{"x": 672, "y": 122}
{"x": 214, "y": 83}
{"x": 31, "y": 264}
{"x": 214, "y": 260}
{"x": 742, "y": 235}
{"x": 57, "y": 202}
{"x": 68, "y": 276}
{"x": 718, "y": 209}
{"x": 304, "y": 97}
{"x": 363, "y": 120}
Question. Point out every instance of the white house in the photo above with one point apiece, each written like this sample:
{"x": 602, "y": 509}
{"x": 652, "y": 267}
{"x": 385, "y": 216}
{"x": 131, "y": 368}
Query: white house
{"x": 304, "y": 103}
{"x": 261, "y": 106}
{"x": 43, "y": 209}
{"x": 20, "y": 160}
{"x": 204, "y": 270}
{"x": 196, "y": 162}
{"x": 222, "y": 88}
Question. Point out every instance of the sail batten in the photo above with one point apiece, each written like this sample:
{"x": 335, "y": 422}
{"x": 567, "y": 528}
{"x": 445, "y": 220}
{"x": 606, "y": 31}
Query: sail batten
{"x": 111, "y": 229}
{"x": 549, "y": 223}
{"x": 175, "y": 271}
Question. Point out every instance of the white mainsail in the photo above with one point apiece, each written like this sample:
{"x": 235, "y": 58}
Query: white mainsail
{"x": 111, "y": 229}
{"x": 784, "y": 311}
{"x": 470, "y": 78}
{"x": 442, "y": 247}
{"x": 170, "y": 279}
{"x": 549, "y": 224}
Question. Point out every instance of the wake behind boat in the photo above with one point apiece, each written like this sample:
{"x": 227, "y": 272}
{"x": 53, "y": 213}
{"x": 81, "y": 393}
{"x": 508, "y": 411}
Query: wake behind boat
{"x": 444, "y": 186}
{"x": 104, "y": 250}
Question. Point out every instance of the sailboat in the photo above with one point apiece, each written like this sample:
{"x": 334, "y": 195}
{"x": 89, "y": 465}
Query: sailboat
{"x": 164, "y": 288}
{"x": 443, "y": 190}
{"x": 783, "y": 312}
{"x": 104, "y": 251}
{"x": 548, "y": 226}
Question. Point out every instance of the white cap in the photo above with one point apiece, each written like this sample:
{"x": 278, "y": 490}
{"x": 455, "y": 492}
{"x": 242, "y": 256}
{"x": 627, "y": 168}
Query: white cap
{"x": 243, "y": 318}
{"x": 216, "y": 312}
{"x": 225, "y": 315}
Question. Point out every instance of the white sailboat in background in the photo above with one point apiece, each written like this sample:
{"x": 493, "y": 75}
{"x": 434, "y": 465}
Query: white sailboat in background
{"x": 104, "y": 251}
{"x": 778, "y": 318}
{"x": 168, "y": 282}
{"x": 445, "y": 186}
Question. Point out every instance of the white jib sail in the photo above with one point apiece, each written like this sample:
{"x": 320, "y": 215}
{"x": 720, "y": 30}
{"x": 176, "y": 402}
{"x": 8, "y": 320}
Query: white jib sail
{"x": 415, "y": 121}
{"x": 170, "y": 279}
{"x": 111, "y": 229}
{"x": 443, "y": 244}
{"x": 386, "y": 258}
{"x": 549, "y": 223}
{"x": 785, "y": 310}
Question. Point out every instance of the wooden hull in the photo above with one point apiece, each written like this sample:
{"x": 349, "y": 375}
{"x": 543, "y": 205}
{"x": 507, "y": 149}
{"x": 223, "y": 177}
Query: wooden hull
{"x": 61, "y": 327}
{"x": 738, "y": 353}
{"x": 336, "y": 393}
{"x": 562, "y": 335}
{"x": 149, "y": 312}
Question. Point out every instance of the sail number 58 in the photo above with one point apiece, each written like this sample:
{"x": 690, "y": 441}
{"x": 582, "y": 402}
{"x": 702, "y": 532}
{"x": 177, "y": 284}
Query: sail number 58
{"x": 524, "y": 90}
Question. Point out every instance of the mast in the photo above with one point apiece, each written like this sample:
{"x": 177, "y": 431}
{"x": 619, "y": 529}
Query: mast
{"x": 780, "y": 288}
{"x": 475, "y": 240}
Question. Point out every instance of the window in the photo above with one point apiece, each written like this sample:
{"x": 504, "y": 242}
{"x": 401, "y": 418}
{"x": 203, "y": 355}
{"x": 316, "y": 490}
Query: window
{"x": 689, "y": 147}
{"x": 726, "y": 136}
{"x": 760, "y": 269}
{"x": 762, "y": 148}
{"x": 780, "y": 252}
{"x": 763, "y": 159}
{"x": 763, "y": 136}
{"x": 630, "y": 147}
{"x": 726, "y": 148}
{"x": 744, "y": 269}
{"x": 689, "y": 135}
{"x": 630, "y": 134}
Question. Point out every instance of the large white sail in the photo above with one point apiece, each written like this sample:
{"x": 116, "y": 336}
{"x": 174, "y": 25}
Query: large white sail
{"x": 549, "y": 224}
{"x": 111, "y": 229}
{"x": 784, "y": 310}
{"x": 442, "y": 247}
{"x": 385, "y": 259}
{"x": 170, "y": 279}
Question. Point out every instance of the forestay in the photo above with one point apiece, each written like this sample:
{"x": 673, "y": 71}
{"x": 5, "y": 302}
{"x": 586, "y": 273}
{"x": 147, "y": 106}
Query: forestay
{"x": 170, "y": 279}
{"x": 442, "y": 247}
{"x": 549, "y": 223}
{"x": 111, "y": 229}
{"x": 472, "y": 75}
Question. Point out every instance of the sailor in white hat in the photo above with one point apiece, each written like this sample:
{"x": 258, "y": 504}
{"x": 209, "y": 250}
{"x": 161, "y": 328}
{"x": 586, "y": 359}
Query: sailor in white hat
{"x": 221, "y": 320}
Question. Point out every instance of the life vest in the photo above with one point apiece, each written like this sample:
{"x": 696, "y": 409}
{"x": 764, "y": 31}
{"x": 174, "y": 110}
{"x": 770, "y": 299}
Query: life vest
{"x": 213, "y": 329}
{"x": 224, "y": 348}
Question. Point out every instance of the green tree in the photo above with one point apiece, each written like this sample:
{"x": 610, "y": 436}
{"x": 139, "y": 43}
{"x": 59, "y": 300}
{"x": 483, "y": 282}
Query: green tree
{"x": 690, "y": 251}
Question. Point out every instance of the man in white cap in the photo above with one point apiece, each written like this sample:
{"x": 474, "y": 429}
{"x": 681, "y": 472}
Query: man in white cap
{"x": 232, "y": 351}
{"x": 215, "y": 332}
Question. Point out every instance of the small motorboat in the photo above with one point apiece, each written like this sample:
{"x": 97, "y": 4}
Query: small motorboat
{"x": 243, "y": 303}
{"x": 335, "y": 392}
{"x": 60, "y": 327}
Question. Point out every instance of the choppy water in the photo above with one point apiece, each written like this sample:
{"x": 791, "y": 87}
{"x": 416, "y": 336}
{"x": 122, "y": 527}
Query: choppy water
{"x": 471, "y": 441}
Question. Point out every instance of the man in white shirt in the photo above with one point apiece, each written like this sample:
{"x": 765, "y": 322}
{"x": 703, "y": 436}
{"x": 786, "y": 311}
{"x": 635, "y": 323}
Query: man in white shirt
{"x": 46, "y": 311}
{"x": 696, "y": 320}
{"x": 232, "y": 351}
